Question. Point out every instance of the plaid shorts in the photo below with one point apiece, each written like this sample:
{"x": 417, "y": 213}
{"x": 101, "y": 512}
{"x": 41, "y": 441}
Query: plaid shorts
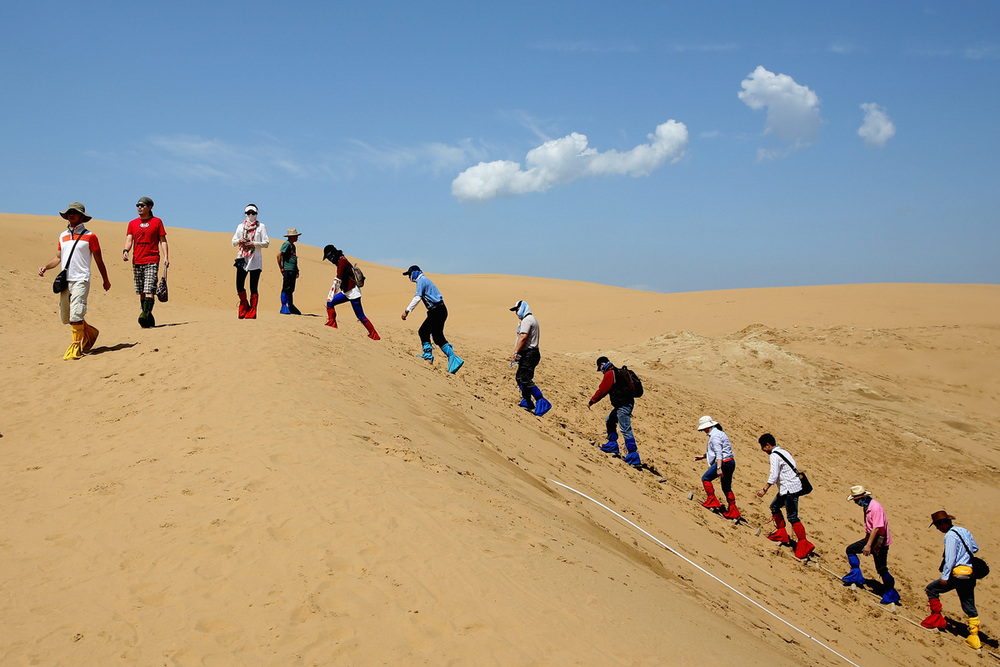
{"x": 145, "y": 278}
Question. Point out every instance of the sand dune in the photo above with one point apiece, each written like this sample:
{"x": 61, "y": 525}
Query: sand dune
{"x": 275, "y": 492}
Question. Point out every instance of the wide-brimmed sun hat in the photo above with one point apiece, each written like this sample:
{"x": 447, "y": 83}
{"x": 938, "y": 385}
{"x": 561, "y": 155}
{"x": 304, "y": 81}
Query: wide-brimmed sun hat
{"x": 79, "y": 208}
{"x": 858, "y": 491}
{"x": 292, "y": 232}
{"x": 940, "y": 515}
{"x": 706, "y": 422}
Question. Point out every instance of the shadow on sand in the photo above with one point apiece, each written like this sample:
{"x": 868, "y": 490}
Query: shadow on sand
{"x": 113, "y": 348}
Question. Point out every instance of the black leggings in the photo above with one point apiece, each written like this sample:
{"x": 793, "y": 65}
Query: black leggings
{"x": 241, "y": 280}
{"x": 433, "y": 326}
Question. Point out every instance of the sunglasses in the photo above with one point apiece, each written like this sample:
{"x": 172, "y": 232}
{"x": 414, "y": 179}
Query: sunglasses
{"x": 250, "y": 212}
{"x": 142, "y": 205}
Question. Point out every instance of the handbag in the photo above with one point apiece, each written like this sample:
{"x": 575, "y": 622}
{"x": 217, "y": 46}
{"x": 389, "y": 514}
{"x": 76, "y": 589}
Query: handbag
{"x": 61, "y": 283}
{"x": 807, "y": 486}
{"x": 161, "y": 289}
{"x": 240, "y": 263}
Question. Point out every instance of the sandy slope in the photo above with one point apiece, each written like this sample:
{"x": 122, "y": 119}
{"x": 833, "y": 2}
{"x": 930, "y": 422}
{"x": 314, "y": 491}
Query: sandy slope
{"x": 217, "y": 492}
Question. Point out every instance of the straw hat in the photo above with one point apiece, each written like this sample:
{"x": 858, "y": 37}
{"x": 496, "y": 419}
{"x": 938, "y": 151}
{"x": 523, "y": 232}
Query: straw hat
{"x": 858, "y": 491}
{"x": 292, "y": 231}
{"x": 706, "y": 422}
{"x": 79, "y": 208}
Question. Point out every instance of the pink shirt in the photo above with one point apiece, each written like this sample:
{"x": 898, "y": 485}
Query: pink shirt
{"x": 875, "y": 518}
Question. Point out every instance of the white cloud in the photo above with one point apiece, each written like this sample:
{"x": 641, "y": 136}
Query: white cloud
{"x": 877, "y": 128}
{"x": 843, "y": 48}
{"x": 193, "y": 157}
{"x": 567, "y": 159}
{"x": 585, "y": 47}
{"x": 435, "y": 157}
{"x": 711, "y": 47}
{"x": 987, "y": 51}
{"x": 792, "y": 109}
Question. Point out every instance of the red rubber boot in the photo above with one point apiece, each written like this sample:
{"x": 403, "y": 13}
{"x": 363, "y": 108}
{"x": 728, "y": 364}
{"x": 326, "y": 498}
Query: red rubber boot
{"x": 711, "y": 502}
{"x": 244, "y": 304}
{"x": 371, "y": 329}
{"x": 731, "y": 511}
{"x": 779, "y": 534}
{"x": 936, "y": 619}
{"x": 331, "y": 317}
{"x": 803, "y": 547}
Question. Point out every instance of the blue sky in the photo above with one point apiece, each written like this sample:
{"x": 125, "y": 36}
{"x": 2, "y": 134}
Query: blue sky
{"x": 666, "y": 146}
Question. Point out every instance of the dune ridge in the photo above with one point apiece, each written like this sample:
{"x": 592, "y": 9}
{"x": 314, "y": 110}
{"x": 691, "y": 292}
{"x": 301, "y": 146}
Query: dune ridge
{"x": 214, "y": 491}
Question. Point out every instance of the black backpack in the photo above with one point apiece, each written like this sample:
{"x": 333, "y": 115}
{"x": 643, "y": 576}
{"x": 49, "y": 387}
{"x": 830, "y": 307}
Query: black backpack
{"x": 631, "y": 384}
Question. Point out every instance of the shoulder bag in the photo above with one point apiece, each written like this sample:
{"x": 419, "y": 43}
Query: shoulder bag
{"x": 807, "y": 486}
{"x": 980, "y": 570}
{"x": 61, "y": 283}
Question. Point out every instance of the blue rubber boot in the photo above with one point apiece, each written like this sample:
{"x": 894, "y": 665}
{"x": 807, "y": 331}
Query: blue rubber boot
{"x": 542, "y": 404}
{"x": 428, "y": 353}
{"x": 890, "y": 595}
{"x": 526, "y": 402}
{"x": 454, "y": 361}
{"x": 854, "y": 576}
{"x": 632, "y": 458}
{"x": 611, "y": 446}
{"x": 284, "y": 304}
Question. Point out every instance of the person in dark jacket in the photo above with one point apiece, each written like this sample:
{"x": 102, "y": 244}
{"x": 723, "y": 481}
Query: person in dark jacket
{"x": 620, "y": 417}
{"x": 345, "y": 289}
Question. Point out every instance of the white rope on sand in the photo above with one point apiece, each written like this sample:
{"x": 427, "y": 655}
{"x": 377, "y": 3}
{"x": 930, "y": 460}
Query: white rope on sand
{"x": 893, "y": 611}
{"x": 695, "y": 565}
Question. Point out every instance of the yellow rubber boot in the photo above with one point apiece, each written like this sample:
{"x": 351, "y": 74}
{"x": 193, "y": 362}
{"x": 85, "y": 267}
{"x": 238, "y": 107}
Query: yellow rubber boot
{"x": 75, "y": 349}
{"x": 89, "y": 337}
{"x": 973, "y": 638}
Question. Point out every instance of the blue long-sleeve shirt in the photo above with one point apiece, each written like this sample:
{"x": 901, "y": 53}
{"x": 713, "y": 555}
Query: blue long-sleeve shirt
{"x": 426, "y": 292}
{"x": 954, "y": 553}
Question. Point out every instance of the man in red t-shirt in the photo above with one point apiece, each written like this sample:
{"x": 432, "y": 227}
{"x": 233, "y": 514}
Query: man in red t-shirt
{"x": 146, "y": 238}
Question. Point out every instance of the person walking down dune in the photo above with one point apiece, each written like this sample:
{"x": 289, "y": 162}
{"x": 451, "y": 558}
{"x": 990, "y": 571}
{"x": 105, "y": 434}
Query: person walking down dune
{"x": 77, "y": 245}
{"x": 288, "y": 265}
{"x": 956, "y": 573}
{"x": 721, "y": 463}
{"x": 147, "y": 239}
{"x": 615, "y": 387}
{"x": 527, "y": 356}
{"x": 875, "y": 543}
{"x": 784, "y": 474}
{"x": 345, "y": 288}
{"x": 249, "y": 238}
{"x": 433, "y": 325}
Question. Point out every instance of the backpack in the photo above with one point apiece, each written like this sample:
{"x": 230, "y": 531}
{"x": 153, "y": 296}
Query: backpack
{"x": 631, "y": 384}
{"x": 359, "y": 276}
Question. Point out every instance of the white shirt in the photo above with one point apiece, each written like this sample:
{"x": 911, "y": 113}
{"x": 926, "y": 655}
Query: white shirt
{"x": 260, "y": 240}
{"x": 782, "y": 474}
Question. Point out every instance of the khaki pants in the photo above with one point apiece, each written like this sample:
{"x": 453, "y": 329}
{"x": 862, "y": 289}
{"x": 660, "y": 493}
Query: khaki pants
{"x": 73, "y": 302}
